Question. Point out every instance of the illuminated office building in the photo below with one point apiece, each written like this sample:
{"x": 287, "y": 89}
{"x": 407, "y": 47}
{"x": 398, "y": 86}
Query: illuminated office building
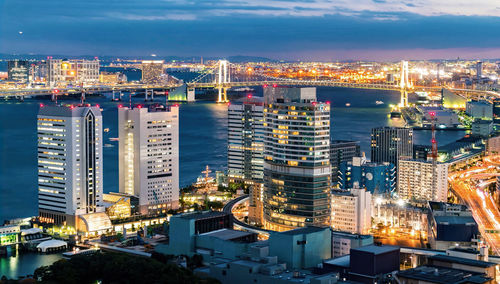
{"x": 149, "y": 156}
{"x": 152, "y": 71}
{"x": 390, "y": 144}
{"x": 72, "y": 71}
{"x": 18, "y": 70}
{"x": 245, "y": 161}
{"x": 69, "y": 162}
{"x": 296, "y": 158}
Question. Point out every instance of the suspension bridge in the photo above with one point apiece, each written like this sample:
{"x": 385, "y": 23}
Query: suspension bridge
{"x": 224, "y": 75}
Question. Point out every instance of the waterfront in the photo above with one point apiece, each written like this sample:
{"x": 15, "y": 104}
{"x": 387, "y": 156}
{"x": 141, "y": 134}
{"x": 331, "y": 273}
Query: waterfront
{"x": 25, "y": 264}
{"x": 203, "y": 134}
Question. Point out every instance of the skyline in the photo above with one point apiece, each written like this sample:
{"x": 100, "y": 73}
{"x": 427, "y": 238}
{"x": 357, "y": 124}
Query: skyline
{"x": 288, "y": 30}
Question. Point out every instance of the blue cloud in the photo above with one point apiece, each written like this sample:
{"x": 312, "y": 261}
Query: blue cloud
{"x": 133, "y": 27}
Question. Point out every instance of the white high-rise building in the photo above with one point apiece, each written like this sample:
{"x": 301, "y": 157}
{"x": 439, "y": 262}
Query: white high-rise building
{"x": 70, "y": 162}
{"x": 416, "y": 181}
{"x": 149, "y": 156}
{"x": 351, "y": 211}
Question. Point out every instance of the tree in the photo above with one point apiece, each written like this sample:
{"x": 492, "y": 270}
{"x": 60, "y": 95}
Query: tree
{"x": 117, "y": 268}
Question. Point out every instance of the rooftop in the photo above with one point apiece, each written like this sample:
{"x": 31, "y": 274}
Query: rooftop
{"x": 350, "y": 235}
{"x": 305, "y": 230}
{"x": 342, "y": 261}
{"x": 443, "y": 275}
{"x": 375, "y": 249}
{"x": 461, "y": 260}
{"x": 227, "y": 234}
{"x": 69, "y": 110}
{"x": 202, "y": 215}
{"x": 455, "y": 220}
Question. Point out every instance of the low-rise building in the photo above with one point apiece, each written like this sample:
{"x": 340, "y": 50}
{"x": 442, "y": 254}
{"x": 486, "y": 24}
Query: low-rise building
{"x": 439, "y": 275}
{"x": 451, "y": 225}
{"x": 351, "y": 210}
{"x": 482, "y": 127}
{"x": 343, "y": 242}
{"x": 301, "y": 248}
{"x": 259, "y": 266}
{"x": 479, "y": 110}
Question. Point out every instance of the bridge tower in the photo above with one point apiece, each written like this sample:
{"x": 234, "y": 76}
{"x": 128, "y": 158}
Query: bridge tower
{"x": 223, "y": 77}
{"x": 404, "y": 84}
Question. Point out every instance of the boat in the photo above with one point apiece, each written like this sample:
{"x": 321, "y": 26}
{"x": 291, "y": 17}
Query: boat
{"x": 379, "y": 102}
{"x": 106, "y": 129}
{"x": 348, "y": 104}
{"x": 396, "y": 113}
{"x": 114, "y": 139}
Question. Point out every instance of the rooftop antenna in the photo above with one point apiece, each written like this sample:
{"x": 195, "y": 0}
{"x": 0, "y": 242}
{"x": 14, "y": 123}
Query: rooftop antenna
{"x": 130, "y": 100}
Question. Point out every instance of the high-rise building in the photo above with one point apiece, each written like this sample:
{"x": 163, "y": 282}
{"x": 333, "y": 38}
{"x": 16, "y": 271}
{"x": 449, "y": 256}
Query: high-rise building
{"x": 296, "y": 158}
{"x": 416, "y": 181}
{"x": 496, "y": 111}
{"x": 352, "y": 210}
{"x": 377, "y": 178}
{"x": 72, "y": 71}
{"x": 479, "y": 70}
{"x": 342, "y": 151}
{"x": 149, "y": 156}
{"x": 18, "y": 70}
{"x": 390, "y": 144}
{"x": 152, "y": 71}
{"x": 245, "y": 157}
{"x": 70, "y": 162}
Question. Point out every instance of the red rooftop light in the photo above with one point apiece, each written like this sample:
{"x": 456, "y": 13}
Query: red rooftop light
{"x": 139, "y": 106}
{"x": 314, "y": 103}
{"x": 120, "y": 106}
{"x": 275, "y": 85}
{"x": 41, "y": 105}
{"x": 265, "y": 86}
{"x": 249, "y": 96}
{"x": 327, "y": 102}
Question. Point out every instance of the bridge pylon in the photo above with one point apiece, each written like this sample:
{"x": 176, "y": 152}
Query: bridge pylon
{"x": 223, "y": 77}
{"x": 404, "y": 84}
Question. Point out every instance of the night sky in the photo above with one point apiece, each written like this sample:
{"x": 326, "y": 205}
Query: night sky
{"x": 279, "y": 29}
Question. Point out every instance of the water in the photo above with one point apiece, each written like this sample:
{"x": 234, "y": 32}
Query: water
{"x": 25, "y": 264}
{"x": 203, "y": 135}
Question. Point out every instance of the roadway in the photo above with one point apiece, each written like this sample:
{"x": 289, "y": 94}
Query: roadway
{"x": 228, "y": 208}
{"x": 469, "y": 189}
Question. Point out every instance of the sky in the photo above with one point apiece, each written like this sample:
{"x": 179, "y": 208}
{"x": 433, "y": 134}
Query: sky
{"x": 280, "y": 29}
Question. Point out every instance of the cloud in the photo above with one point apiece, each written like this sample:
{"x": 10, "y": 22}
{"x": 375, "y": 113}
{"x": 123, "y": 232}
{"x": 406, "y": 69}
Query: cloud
{"x": 278, "y": 28}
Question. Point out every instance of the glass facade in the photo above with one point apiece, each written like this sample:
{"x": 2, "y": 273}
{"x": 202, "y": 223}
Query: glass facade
{"x": 296, "y": 163}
